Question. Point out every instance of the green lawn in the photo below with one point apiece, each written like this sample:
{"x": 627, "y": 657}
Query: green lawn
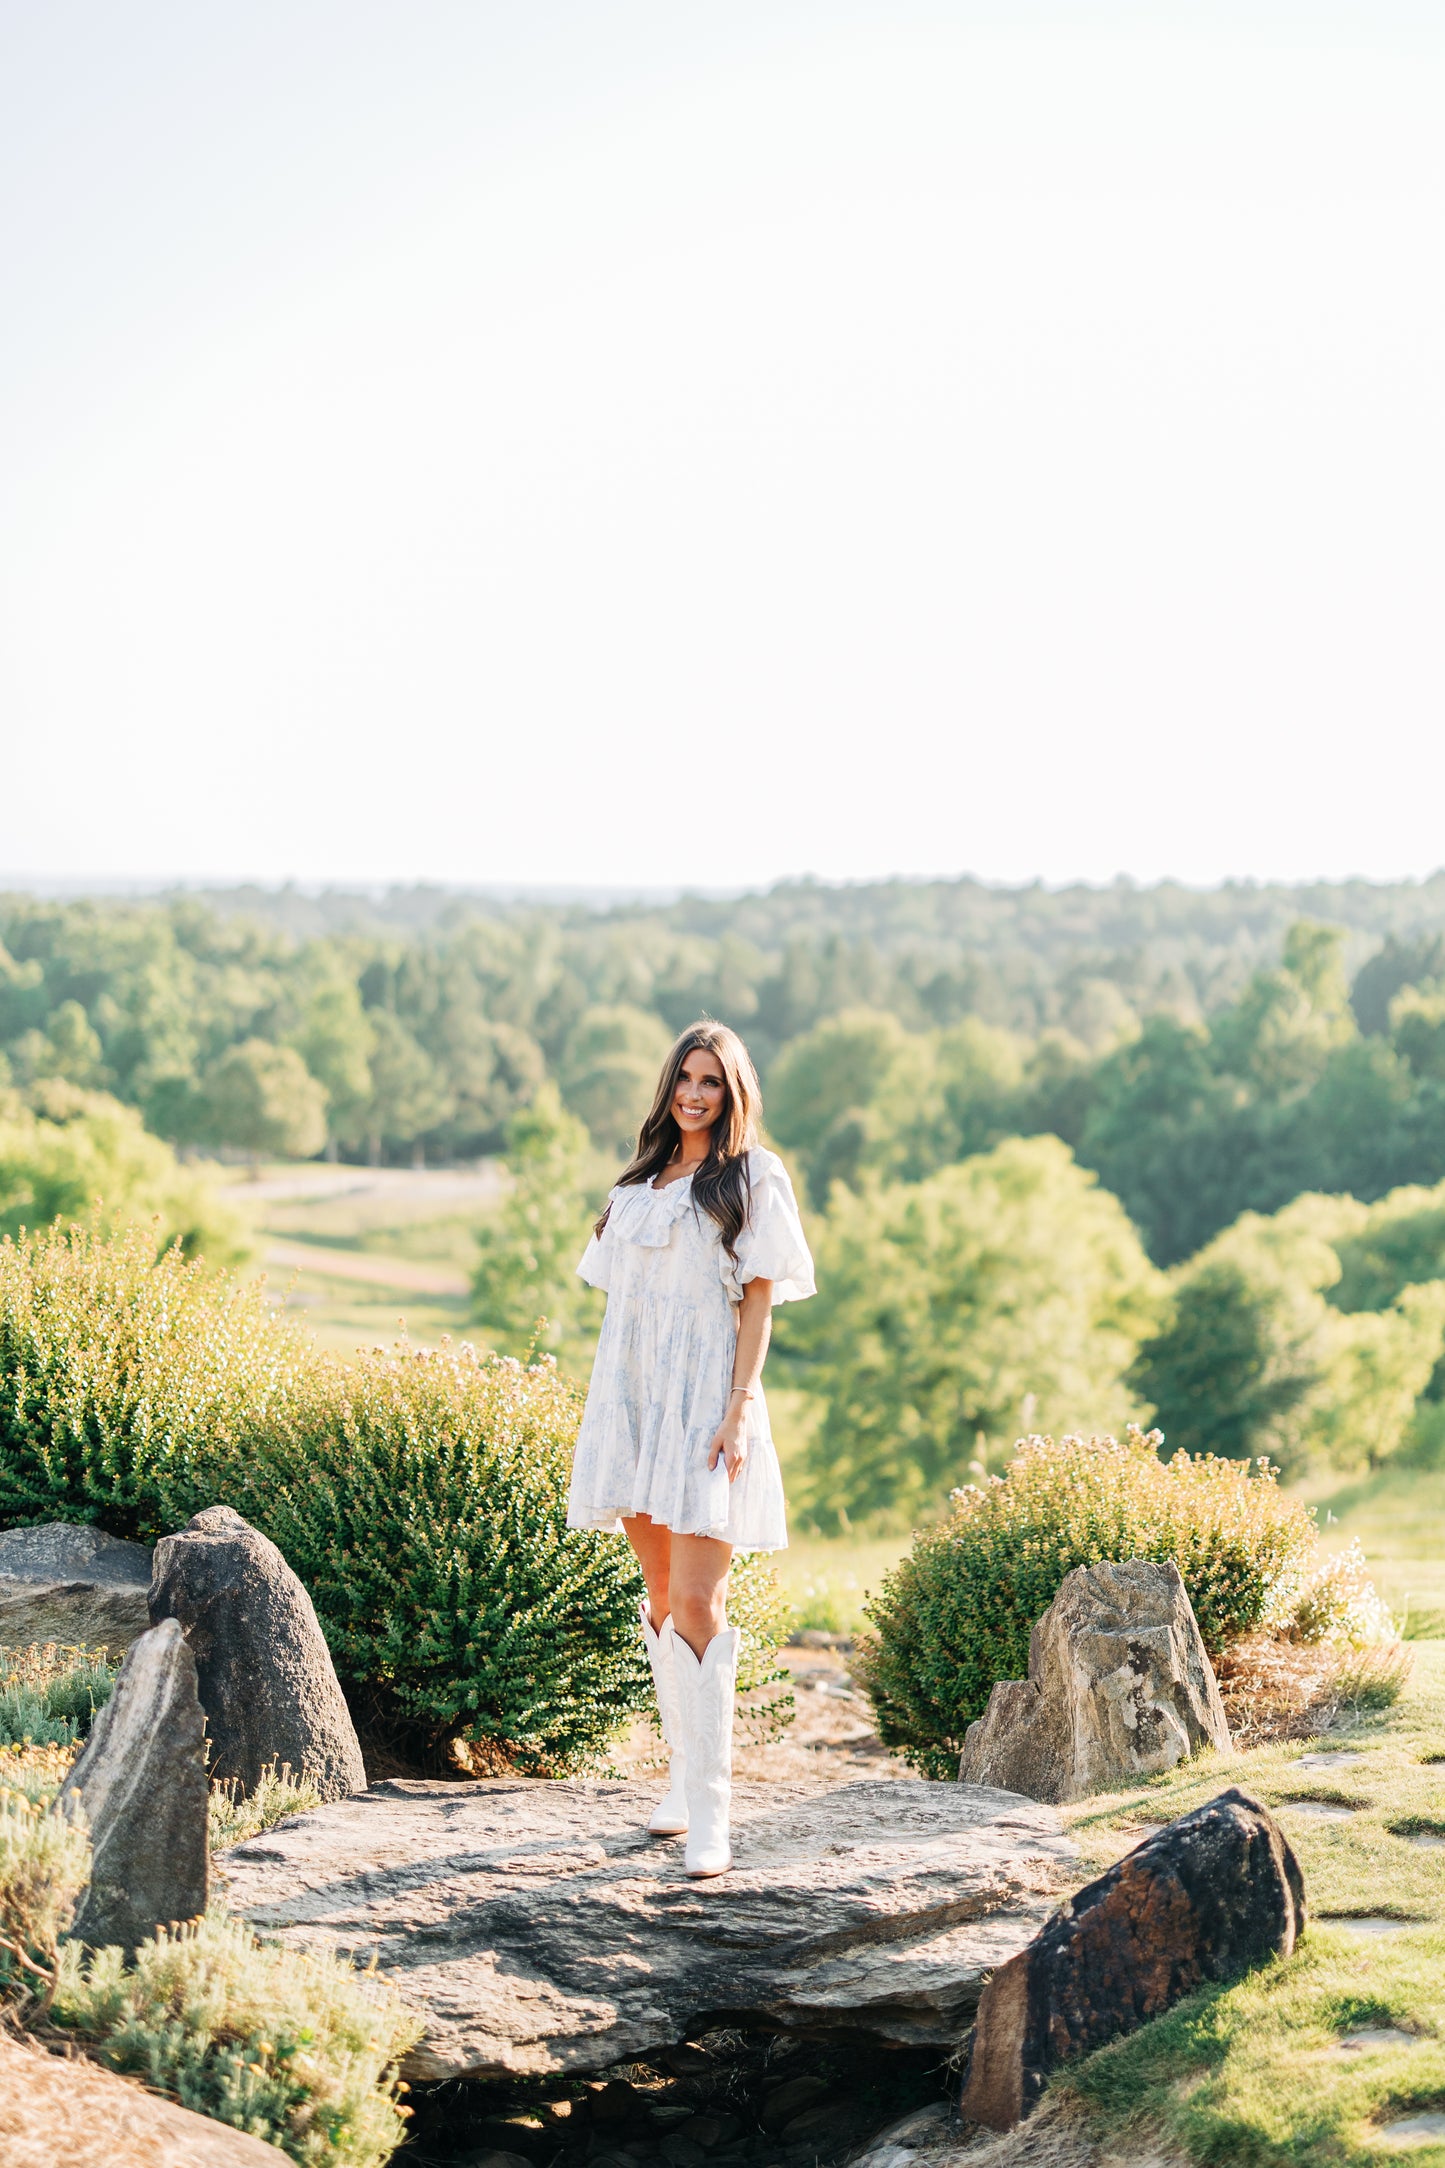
{"x": 826, "y": 1580}
{"x": 1258, "y": 2075}
{"x": 826, "y": 1577}
{"x": 421, "y": 1220}
{"x": 345, "y": 1318}
{"x": 1399, "y": 1519}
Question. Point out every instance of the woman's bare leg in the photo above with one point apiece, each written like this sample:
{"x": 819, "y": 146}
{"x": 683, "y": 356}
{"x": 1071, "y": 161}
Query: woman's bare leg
{"x": 698, "y": 1588}
{"x": 653, "y": 1546}
{"x": 686, "y": 1576}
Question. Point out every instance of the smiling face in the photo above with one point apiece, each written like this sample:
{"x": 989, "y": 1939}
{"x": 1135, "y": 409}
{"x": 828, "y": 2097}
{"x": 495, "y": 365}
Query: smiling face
{"x": 700, "y": 1094}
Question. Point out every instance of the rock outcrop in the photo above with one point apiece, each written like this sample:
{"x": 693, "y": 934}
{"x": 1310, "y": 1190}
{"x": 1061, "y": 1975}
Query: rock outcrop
{"x": 1119, "y": 1688}
{"x": 64, "y": 2112}
{"x": 141, "y": 1780}
{"x": 1210, "y": 1895}
{"x": 74, "y": 1585}
{"x": 268, "y": 1685}
{"x": 538, "y": 1928}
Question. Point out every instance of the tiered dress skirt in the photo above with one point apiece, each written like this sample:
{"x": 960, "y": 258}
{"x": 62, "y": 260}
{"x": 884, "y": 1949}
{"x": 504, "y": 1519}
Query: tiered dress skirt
{"x": 664, "y": 1365}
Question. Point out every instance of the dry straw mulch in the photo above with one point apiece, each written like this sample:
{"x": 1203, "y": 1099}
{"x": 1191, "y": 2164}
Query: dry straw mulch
{"x": 1279, "y": 1689}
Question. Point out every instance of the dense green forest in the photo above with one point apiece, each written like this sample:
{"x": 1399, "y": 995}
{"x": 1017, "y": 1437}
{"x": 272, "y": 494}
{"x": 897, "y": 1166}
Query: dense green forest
{"x": 1203, "y": 1053}
{"x": 1070, "y": 1154}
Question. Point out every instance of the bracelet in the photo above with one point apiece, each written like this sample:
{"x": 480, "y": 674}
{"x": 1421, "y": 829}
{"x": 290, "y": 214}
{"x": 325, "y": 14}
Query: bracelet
{"x": 746, "y": 1391}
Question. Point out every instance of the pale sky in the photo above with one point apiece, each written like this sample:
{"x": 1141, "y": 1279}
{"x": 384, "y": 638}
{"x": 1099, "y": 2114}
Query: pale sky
{"x": 647, "y": 442}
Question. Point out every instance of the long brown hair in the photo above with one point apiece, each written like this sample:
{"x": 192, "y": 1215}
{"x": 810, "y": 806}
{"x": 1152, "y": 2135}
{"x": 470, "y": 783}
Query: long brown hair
{"x": 720, "y": 1187}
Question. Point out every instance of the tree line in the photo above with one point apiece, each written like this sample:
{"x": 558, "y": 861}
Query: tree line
{"x": 416, "y": 1026}
{"x": 1202, "y": 1179}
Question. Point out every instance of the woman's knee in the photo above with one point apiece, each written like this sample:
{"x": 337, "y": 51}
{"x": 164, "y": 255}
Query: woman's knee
{"x": 698, "y": 1614}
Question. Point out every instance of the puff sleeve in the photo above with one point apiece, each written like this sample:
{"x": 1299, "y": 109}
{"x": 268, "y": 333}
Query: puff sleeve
{"x": 773, "y": 1246}
{"x": 595, "y": 1264}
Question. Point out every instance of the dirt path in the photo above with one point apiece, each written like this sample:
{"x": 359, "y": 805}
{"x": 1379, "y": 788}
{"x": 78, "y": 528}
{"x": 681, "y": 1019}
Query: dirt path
{"x": 422, "y": 1191}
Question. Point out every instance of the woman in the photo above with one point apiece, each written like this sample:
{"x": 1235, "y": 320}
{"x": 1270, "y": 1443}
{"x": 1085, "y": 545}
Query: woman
{"x": 700, "y": 1238}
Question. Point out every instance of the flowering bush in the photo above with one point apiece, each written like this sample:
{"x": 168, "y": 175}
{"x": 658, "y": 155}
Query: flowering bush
{"x": 1340, "y": 1603}
{"x": 126, "y": 1379}
{"x": 955, "y": 1615}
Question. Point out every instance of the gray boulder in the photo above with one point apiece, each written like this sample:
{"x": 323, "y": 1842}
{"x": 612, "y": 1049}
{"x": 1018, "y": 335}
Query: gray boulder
{"x": 536, "y": 1926}
{"x": 1119, "y": 1688}
{"x": 1213, "y": 1893}
{"x": 74, "y": 1585}
{"x": 268, "y": 1685}
{"x": 141, "y": 1780}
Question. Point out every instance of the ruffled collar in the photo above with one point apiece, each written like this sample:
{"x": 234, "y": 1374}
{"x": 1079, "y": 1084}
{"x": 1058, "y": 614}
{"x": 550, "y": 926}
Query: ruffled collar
{"x": 648, "y": 1215}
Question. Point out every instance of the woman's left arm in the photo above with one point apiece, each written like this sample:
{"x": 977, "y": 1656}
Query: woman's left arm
{"x": 755, "y": 1328}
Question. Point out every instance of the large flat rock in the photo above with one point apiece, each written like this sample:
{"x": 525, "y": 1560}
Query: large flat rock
{"x": 64, "y": 2112}
{"x": 538, "y": 1928}
{"x": 71, "y": 1584}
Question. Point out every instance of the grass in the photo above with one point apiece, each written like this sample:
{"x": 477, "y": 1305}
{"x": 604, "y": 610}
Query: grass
{"x": 826, "y": 1579}
{"x": 1398, "y": 1517}
{"x": 1255, "y": 2075}
{"x": 49, "y": 1695}
{"x": 344, "y": 1317}
{"x": 416, "y": 1216}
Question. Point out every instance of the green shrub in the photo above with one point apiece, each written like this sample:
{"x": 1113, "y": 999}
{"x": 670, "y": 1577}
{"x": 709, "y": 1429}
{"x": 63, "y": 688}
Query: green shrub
{"x": 421, "y": 1497}
{"x": 758, "y": 1606}
{"x": 297, "y": 2049}
{"x": 49, "y": 1695}
{"x": 955, "y": 1615}
{"x": 126, "y": 1379}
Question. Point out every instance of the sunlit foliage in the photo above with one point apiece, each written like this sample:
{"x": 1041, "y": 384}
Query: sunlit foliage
{"x": 956, "y": 1614}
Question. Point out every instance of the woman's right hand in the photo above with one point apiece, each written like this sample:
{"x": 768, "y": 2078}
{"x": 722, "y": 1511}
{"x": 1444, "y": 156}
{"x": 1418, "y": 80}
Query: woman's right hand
{"x": 730, "y": 1443}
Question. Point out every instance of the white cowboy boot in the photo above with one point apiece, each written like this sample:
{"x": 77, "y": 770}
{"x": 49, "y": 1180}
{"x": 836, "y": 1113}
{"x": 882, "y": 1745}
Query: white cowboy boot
{"x": 706, "y": 1686}
{"x": 669, "y": 1816}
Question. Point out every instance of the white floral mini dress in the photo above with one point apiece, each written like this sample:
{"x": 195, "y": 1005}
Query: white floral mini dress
{"x": 664, "y": 1365}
